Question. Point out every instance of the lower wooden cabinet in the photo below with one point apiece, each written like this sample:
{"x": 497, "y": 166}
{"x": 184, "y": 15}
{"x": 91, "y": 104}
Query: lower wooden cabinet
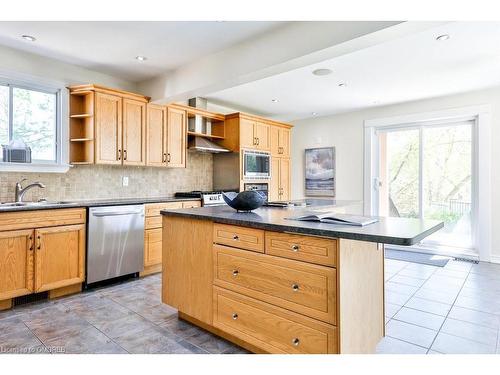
{"x": 152, "y": 247}
{"x": 153, "y": 232}
{"x": 16, "y": 263}
{"x": 59, "y": 256}
{"x": 43, "y": 253}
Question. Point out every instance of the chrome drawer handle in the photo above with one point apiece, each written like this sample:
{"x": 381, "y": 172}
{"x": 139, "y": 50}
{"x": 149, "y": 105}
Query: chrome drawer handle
{"x": 296, "y": 341}
{"x": 295, "y": 287}
{"x": 235, "y": 316}
{"x": 235, "y": 237}
{"x": 235, "y": 273}
{"x": 295, "y": 247}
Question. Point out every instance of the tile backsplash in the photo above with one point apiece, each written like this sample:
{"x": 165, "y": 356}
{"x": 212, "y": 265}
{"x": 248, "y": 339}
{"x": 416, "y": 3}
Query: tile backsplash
{"x": 99, "y": 181}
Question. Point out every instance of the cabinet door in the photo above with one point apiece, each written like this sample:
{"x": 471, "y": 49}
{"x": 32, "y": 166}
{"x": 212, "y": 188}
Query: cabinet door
{"x": 247, "y": 134}
{"x": 152, "y": 247}
{"x": 176, "y": 138}
{"x": 274, "y": 186}
{"x": 156, "y": 154}
{"x": 284, "y": 142}
{"x": 285, "y": 179}
{"x": 134, "y": 132}
{"x": 262, "y": 134}
{"x": 16, "y": 263}
{"x": 274, "y": 136}
{"x": 59, "y": 256}
{"x": 108, "y": 129}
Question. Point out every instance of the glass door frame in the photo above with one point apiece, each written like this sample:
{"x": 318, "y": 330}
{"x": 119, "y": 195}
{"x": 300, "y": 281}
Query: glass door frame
{"x": 481, "y": 156}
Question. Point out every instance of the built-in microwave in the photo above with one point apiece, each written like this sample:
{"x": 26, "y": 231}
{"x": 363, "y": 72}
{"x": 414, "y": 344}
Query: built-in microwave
{"x": 256, "y": 165}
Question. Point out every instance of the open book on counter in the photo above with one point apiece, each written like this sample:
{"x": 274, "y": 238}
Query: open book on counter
{"x": 335, "y": 218}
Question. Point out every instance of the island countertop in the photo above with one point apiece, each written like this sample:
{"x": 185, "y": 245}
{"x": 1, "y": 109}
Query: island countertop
{"x": 388, "y": 230}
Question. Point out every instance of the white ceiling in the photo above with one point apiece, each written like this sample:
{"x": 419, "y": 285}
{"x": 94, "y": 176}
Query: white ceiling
{"x": 409, "y": 68}
{"x": 111, "y": 47}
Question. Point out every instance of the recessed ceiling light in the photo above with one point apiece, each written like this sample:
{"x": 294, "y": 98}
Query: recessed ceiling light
{"x": 443, "y": 37}
{"x": 275, "y": 100}
{"x": 322, "y": 72}
{"x": 342, "y": 84}
{"x": 141, "y": 58}
{"x": 314, "y": 113}
{"x": 28, "y": 37}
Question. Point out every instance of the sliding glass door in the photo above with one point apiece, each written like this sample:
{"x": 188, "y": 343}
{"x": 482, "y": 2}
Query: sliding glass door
{"x": 426, "y": 171}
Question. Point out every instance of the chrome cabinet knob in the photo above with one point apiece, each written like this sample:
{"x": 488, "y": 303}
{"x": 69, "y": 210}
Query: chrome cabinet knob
{"x": 295, "y": 287}
{"x": 235, "y": 237}
{"x": 235, "y": 273}
{"x": 295, "y": 341}
{"x": 235, "y": 316}
{"x": 295, "y": 247}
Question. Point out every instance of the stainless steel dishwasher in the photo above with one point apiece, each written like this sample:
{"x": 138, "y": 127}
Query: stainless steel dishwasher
{"x": 115, "y": 242}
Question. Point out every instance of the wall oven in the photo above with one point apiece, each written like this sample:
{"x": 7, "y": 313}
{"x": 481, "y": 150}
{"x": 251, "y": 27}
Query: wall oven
{"x": 256, "y": 165}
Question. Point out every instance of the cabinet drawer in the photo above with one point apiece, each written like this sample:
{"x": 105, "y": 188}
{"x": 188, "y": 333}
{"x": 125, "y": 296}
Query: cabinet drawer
{"x": 271, "y": 328}
{"x": 191, "y": 204}
{"x": 152, "y": 222}
{"x": 243, "y": 238}
{"x": 308, "y": 249}
{"x": 41, "y": 218}
{"x": 304, "y": 288}
{"x": 153, "y": 209}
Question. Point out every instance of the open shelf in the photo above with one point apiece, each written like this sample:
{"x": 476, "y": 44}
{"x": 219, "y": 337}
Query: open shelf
{"x": 81, "y": 127}
{"x": 213, "y": 136}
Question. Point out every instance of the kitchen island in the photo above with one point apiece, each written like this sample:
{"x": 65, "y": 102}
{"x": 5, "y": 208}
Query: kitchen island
{"x": 273, "y": 285}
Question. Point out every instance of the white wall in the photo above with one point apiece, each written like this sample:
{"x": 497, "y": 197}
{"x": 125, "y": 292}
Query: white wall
{"x": 345, "y": 132}
{"x": 20, "y": 62}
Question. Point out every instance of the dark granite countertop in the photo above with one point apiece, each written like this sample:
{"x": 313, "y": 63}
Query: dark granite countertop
{"x": 92, "y": 203}
{"x": 395, "y": 231}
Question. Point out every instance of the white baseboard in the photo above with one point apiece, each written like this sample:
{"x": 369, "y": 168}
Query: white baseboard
{"x": 495, "y": 259}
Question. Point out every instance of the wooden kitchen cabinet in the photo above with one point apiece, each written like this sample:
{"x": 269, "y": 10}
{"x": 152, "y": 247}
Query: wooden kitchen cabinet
{"x": 119, "y": 119}
{"x": 176, "y": 138}
{"x": 16, "y": 263}
{"x": 41, "y": 250}
{"x": 108, "y": 129}
{"x": 279, "y": 186}
{"x": 156, "y": 135}
{"x": 166, "y": 137}
{"x": 280, "y": 141}
{"x": 134, "y": 132}
{"x": 59, "y": 256}
{"x": 254, "y": 135}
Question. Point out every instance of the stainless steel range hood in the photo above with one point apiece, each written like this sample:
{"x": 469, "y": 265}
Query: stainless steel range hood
{"x": 199, "y": 124}
{"x": 202, "y": 144}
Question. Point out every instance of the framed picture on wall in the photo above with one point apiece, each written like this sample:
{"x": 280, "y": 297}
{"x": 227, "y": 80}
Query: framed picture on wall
{"x": 320, "y": 171}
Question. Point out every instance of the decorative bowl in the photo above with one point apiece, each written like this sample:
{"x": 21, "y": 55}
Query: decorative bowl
{"x": 244, "y": 201}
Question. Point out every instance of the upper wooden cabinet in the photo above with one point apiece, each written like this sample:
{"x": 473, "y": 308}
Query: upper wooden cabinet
{"x": 257, "y": 133}
{"x": 134, "y": 132}
{"x": 156, "y": 132}
{"x": 107, "y": 126}
{"x": 254, "y": 135}
{"x": 108, "y": 129}
{"x": 176, "y": 137}
{"x": 280, "y": 141}
{"x": 166, "y": 137}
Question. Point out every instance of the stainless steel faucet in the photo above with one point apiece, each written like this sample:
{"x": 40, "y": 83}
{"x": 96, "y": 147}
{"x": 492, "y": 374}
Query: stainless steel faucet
{"x": 20, "y": 191}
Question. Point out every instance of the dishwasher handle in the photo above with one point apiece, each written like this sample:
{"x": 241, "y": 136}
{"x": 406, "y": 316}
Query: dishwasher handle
{"x": 116, "y": 213}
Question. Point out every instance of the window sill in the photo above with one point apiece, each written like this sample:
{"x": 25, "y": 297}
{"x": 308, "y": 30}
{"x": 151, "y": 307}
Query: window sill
{"x": 34, "y": 167}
